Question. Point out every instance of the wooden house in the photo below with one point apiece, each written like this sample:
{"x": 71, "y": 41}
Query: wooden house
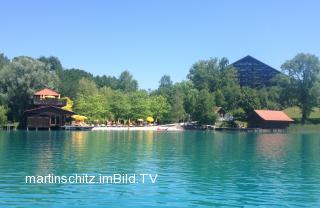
{"x": 46, "y": 112}
{"x": 269, "y": 119}
{"x": 222, "y": 114}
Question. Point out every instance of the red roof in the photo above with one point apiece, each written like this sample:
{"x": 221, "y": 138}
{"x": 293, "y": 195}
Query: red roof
{"x": 271, "y": 115}
{"x": 47, "y": 91}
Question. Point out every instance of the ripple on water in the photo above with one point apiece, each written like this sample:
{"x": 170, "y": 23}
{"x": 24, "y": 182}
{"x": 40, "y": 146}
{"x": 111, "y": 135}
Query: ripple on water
{"x": 194, "y": 169}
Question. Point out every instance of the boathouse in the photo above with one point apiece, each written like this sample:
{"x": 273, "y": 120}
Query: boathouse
{"x": 269, "y": 119}
{"x": 46, "y": 112}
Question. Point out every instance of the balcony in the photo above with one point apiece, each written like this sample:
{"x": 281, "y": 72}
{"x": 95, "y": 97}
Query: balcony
{"x": 49, "y": 101}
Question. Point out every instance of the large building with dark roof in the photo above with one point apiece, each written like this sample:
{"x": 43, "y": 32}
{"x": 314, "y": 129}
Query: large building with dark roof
{"x": 254, "y": 73}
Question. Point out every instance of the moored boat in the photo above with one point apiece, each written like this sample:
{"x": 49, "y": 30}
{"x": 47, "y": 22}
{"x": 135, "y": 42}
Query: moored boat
{"x": 77, "y": 128}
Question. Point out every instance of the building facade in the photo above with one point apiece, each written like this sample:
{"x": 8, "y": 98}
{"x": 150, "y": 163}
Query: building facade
{"x": 269, "y": 119}
{"x": 46, "y": 112}
{"x": 254, "y": 73}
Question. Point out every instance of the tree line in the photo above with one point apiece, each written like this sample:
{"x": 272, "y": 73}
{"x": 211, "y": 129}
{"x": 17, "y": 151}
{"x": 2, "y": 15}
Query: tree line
{"x": 210, "y": 83}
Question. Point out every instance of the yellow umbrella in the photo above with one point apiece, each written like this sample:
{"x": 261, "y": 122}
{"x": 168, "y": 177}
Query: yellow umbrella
{"x": 79, "y": 118}
{"x": 150, "y": 119}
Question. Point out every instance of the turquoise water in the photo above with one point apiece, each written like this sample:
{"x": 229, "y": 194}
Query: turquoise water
{"x": 202, "y": 169}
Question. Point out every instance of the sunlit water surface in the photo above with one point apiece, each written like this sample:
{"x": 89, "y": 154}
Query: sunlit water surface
{"x": 194, "y": 169}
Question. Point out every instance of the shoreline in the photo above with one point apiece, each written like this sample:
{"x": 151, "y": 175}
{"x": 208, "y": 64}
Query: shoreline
{"x": 139, "y": 128}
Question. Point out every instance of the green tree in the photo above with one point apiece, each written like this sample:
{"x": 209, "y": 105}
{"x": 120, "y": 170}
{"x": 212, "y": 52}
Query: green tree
{"x": 139, "y": 105}
{"x": 106, "y": 81}
{"x": 190, "y": 102}
{"x": 229, "y": 87}
{"x": 303, "y": 71}
{"x": 3, "y": 60}
{"x": 165, "y": 82}
{"x": 91, "y": 106}
{"x": 89, "y": 102}
{"x": 106, "y": 93}
{"x": 20, "y": 79}
{"x": 249, "y": 100}
{"x": 220, "y": 78}
{"x": 127, "y": 83}
{"x": 120, "y": 105}
{"x": 205, "y": 74}
{"x": 285, "y": 92}
{"x": 165, "y": 88}
{"x": 3, "y": 115}
{"x": 159, "y": 107}
{"x": 177, "y": 112}
{"x": 204, "y": 111}
{"x": 270, "y": 98}
{"x": 52, "y": 63}
{"x": 87, "y": 87}
{"x": 69, "y": 81}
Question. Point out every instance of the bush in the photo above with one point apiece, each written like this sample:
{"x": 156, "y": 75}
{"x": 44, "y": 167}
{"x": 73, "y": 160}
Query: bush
{"x": 239, "y": 114}
{"x": 3, "y": 115}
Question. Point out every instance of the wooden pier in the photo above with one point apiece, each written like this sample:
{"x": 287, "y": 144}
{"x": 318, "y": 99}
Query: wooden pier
{"x": 9, "y": 127}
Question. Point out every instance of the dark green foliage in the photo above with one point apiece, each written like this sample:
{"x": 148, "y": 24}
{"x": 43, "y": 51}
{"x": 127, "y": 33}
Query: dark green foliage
{"x": 106, "y": 81}
{"x": 20, "y": 79}
{"x": 219, "y": 78}
{"x": 249, "y": 100}
{"x": 3, "y": 60}
{"x": 204, "y": 109}
{"x": 239, "y": 114}
{"x": 69, "y": 81}
{"x": 177, "y": 112}
{"x": 303, "y": 71}
{"x": 3, "y": 115}
{"x": 165, "y": 82}
{"x": 212, "y": 83}
{"x": 159, "y": 108}
{"x": 269, "y": 98}
{"x": 52, "y": 63}
{"x": 127, "y": 83}
{"x": 91, "y": 102}
{"x": 120, "y": 106}
{"x": 139, "y": 105}
{"x": 205, "y": 74}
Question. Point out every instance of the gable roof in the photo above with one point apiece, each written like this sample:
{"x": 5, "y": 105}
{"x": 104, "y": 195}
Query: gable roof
{"x": 254, "y": 73}
{"x": 47, "y": 91}
{"x": 271, "y": 115}
{"x": 48, "y": 109}
{"x": 251, "y": 59}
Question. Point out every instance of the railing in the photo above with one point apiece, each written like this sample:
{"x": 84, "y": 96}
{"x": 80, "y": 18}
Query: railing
{"x": 49, "y": 101}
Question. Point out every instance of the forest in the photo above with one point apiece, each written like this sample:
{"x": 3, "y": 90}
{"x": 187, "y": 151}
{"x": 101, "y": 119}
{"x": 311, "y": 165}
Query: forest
{"x": 210, "y": 83}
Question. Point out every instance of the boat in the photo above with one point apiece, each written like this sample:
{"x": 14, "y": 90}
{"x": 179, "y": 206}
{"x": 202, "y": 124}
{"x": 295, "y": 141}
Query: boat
{"x": 77, "y": 128}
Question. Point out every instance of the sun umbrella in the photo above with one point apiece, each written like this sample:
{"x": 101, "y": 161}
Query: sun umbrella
{"x": 79, "y": 118}
{"x": 150, "y": 119}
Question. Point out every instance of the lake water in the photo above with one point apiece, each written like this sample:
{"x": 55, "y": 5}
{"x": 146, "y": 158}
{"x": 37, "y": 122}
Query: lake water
{"x": 194, "y": 168}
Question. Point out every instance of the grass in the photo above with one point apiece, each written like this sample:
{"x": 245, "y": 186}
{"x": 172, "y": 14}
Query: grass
{"x": 295, "y": 113}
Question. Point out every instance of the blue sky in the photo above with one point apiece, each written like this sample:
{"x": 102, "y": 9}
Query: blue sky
{"x": 153, "y": 38}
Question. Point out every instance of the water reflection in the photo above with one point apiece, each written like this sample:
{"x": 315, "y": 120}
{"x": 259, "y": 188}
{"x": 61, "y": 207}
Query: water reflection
{"x": 194, "y": 168}
{"x": 272, "y": 146}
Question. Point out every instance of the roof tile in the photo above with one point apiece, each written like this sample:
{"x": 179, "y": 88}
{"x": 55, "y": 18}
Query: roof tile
{"x": 47, "y": 91}
{"x": 271, "y": 115}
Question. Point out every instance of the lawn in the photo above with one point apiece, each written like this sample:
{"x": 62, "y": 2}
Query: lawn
{"x": 295, "y": 113}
